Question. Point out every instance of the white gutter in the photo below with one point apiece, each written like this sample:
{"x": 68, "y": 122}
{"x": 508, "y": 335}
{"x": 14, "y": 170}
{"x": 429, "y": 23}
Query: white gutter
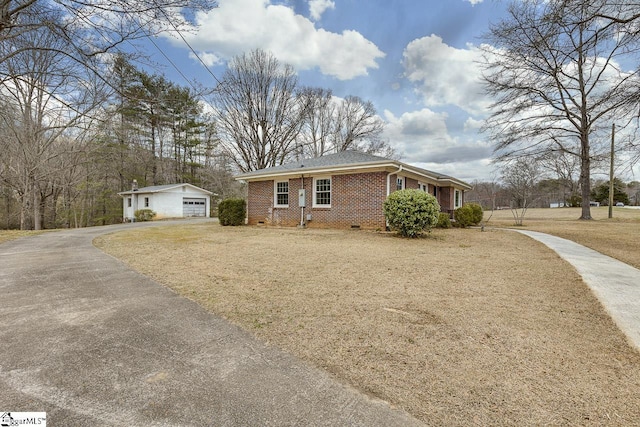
{"x": 316, "y": 171}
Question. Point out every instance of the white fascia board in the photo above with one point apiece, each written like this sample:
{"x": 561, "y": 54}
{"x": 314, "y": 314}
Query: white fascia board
{"x": 345, "y": 169}
{"x": 141, "y": 191}
{"x": 341, "y": 169}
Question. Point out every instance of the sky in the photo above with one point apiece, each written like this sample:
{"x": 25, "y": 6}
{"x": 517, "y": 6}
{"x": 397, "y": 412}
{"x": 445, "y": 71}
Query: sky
{"x": 415, "y": 60}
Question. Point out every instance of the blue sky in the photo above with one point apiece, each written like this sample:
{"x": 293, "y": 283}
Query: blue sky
{"x": 414, "y": 59}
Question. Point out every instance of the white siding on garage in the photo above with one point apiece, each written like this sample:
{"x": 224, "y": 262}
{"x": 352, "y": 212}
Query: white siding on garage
{"x": 168, "y": 201}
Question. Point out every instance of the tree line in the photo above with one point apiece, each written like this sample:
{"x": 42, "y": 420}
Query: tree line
{"x": 79, "y": 120}
{"x": 72, "y": 138}
{"x": 527, "y": 183}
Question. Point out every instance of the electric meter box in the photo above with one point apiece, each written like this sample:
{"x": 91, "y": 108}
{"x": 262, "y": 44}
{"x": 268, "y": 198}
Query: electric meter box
{"x": 302, "y": 197}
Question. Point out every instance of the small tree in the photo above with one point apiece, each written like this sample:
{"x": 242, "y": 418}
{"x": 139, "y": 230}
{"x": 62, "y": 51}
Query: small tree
{"x": 520, "y": 179}
{"x": 410, "y": 212}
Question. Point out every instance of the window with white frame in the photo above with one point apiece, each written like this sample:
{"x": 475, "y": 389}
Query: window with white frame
{"x": 457, "y": 199}
{"x": 128, "y": 202}
{"x": 399, "y": 183}
{"x": 282, "y": 194}
{"x": 423, "y": 187}
{"x": 322, "y": 192}
{"x": 146, "y": 202}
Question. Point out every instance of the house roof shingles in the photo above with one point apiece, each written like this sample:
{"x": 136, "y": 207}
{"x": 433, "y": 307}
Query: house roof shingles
{"x": 344, "y": 159}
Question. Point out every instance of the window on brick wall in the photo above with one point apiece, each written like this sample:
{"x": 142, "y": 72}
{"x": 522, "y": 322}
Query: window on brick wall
{"x": 423, "y": 187}
{"x": 281, "y": 194}
{"x": 457, "y": 199}
{"x": 400, "y": 183}
{"x": 322, "y": 192}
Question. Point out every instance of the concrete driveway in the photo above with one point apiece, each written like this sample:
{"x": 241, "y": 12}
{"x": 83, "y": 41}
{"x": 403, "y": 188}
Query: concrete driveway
{"x": 92, "y": 343}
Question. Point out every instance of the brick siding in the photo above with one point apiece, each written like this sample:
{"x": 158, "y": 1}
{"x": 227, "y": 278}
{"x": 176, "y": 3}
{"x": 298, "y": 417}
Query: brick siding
{"x": 356, "y": 201}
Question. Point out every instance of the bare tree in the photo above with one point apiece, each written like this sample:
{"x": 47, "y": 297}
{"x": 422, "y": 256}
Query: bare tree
{"x": 259, "y": 115}
{"x": 485, "y": 193}
{"x": 555, "y": 70}
{"x": 566, "y": 169}
{"x": 93, "y": 27}
{"x": 43, "y": 95}
{"x": 358, "y": 126}
{"x": 319, "y": 128}
{"x": 334, "y": 125}
{"x": 520, "y": 178}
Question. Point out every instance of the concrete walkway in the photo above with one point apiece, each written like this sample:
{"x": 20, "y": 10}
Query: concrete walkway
{"x": 93, "y": 343}
{"x": 616, "y": 284}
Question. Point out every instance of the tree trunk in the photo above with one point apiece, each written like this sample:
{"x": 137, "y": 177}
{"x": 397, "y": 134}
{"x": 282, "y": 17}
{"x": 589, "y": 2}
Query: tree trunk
{"x": 37, "y": 214}
{"x": 585, "y": 177}
{"x": 154, "y": 165}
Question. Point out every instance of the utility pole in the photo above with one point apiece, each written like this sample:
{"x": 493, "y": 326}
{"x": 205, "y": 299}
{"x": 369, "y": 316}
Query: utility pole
{"x": 613, "y": 133}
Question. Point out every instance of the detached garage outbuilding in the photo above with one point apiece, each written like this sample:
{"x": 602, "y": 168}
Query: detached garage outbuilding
{"x": 167, "y": 201}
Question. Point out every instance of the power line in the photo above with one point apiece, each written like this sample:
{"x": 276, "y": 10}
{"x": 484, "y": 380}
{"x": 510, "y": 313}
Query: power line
{"x": 186, "y": 43}
{"x": 173, "y": 64}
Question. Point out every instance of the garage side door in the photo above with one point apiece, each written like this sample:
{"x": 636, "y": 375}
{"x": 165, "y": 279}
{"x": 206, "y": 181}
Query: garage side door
{"x": 194, "y": 207}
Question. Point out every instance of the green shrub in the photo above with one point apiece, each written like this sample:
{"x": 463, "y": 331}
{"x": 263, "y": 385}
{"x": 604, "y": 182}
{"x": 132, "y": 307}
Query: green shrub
{"x": 477, "y": 211}
{"x": 467, "y": 215}
{"x": 443, "y": 220}
{"x": 144, "y": 215}
{"x": 410, "y": 212}
{"x": 232, "y": 211}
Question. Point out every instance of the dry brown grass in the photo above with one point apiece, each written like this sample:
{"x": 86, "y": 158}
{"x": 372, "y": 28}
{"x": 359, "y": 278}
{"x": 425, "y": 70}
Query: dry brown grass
{"x": 6, "y": 235}
{"x": 459, "y": 328}
{"x": 618, "y": 237}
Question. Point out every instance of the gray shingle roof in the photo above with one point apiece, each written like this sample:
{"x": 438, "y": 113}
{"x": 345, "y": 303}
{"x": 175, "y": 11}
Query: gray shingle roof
{"x": 343, "y": 158}
{"x": 328, "y": 160}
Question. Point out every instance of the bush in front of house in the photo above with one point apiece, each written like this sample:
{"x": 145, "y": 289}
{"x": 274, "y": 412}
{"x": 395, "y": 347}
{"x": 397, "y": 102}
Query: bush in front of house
{"x": 468, "y": 215}
{"x": 478, "y": 213}
{"x": 232, "y": 211}
{"x": 410, "y": 212}
{"x": 443, "y": 220}
{"x": 144, "y": 215}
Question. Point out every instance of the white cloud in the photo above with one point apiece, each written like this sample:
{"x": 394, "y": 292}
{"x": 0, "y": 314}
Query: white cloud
{"x": 318, "y": 7}
{"x": 445, "y": 75}
{"x": 474, "y": 2}
{"x": 238, "y": 26}
{"x": 209, "y": 59}
{"x": 423, "y": 139}
{"x": 472, "y": 125}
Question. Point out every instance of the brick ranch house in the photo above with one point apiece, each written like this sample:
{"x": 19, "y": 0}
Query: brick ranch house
{"x": 342, "y": 190}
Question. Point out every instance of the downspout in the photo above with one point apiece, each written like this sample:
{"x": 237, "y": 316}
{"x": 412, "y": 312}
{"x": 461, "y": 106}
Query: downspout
{"x": 302, "y": 224}
{"x": 389, "y": 188}
{"x": 389, "y": 177}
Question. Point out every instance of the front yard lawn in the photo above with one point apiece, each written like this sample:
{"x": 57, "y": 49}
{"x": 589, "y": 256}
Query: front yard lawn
{"x": 459, "y": 328}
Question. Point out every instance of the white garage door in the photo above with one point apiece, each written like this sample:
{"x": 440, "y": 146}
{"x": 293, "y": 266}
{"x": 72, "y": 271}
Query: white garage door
{"x": 194, "y": 207}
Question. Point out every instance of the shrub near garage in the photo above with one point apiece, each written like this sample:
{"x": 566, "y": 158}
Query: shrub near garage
{"x": 410, "y": 212}
{"x": 232, "y": 211}
{"x": 142, "y": 215}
